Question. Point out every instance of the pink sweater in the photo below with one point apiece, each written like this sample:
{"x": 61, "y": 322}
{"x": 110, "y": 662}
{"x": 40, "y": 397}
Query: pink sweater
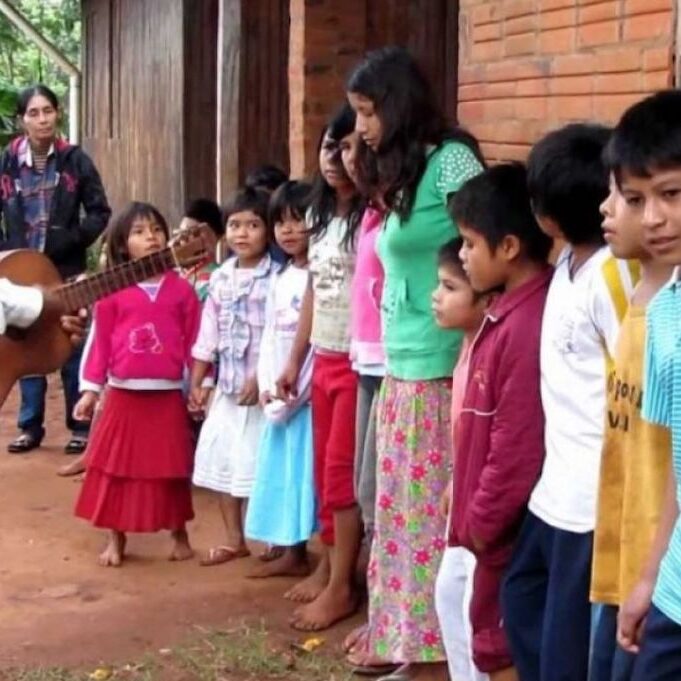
{"x": 366, "y": 347}
{"x": 140, "y": 343}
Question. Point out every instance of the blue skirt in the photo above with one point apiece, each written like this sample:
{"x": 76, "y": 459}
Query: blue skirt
{"x": 282, "y": 509}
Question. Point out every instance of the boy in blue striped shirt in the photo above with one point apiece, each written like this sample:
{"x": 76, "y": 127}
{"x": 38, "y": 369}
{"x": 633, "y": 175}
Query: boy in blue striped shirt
{"x": 646, "y": 149}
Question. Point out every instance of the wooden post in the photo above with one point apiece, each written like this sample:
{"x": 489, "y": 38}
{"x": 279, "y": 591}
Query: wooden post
{"x": 228, "y": 97}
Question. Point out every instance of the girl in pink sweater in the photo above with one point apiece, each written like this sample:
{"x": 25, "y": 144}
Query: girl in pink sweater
{"x": 140, "y": 456}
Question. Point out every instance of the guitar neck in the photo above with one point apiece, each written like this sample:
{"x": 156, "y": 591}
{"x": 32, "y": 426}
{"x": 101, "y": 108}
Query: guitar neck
{"x": 85, "y": 292}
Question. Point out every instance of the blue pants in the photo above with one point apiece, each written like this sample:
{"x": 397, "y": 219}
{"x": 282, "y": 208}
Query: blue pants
{"x": 33, "y": 389}
{"x": 660, "y": 656}
{"x": 545, "y": 603}
{"x": 609, "y": 662}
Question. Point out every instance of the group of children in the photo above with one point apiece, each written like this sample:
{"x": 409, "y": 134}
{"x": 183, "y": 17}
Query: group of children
{"x": 469, "y": 372}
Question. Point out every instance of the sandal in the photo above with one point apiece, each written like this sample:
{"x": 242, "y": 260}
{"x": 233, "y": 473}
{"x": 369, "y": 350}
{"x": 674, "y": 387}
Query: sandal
{"x": 223, "y": 554}
{"x": 76, "y": 445}
{"x": 24, "y": 443}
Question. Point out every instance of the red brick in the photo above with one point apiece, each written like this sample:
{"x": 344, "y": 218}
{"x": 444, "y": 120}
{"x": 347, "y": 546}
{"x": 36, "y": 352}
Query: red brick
{"x": 484, "y": 14}
{"x": 617, "y": 61}
{"x": 475, "y": 91}
{"x": 487, "y": 32}
{"x": 531, "y": 108}
{"x": 657, "y": 58}
{"x": 599, "y": 12}
{"x": 570, "y": 108}
{"x": 500, "y": 89}
{"x": 489, "y": 51}
{"x": 518, "y": 69}
{"x": 601, "y": 33}
{"x": 514, "y": 132}
{"x": 657, "y": 80}
{"x": 609, "y": 108}
{"x": 619, "y": 83}
{"x": 517, "y": 45}
{"x": 647, "y": 6}
{"x": 472, "y": 111}
{"x": 526, "y": 24}
{"x": 548, "y": 5}
{"x": 494, "y": 109}
{"x": 571, "y": 85}
{"x": 518, "y": 8}
{"x": 533, "y": 87}
{"x": 644, "y": 26}
{"x": 472, "y": 73}
{"x": 513, "y": 152}
{"x": 558, "y": 41}
{"x": 573, "y": 64}
{"x": 558, "y": 18}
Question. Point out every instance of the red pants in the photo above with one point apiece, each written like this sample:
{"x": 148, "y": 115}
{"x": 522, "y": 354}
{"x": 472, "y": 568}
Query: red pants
{"x": 334, "y": 399}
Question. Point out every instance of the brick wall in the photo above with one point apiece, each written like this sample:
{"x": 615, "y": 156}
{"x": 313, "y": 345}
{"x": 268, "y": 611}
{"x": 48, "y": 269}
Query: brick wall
{"x": 327, "y": 39}
{"x": 527, "y": 66}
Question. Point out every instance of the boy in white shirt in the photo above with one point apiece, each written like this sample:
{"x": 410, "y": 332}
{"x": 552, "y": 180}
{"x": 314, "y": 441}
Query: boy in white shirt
{"x": 545, "y": 597}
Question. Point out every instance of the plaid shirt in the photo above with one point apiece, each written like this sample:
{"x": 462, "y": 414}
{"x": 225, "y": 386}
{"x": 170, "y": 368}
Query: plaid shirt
{"x": 233, "y": 320}
{"x": 36, "y": 190}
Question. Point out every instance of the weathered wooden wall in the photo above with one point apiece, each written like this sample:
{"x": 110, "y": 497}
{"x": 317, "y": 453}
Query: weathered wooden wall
{"x": 200, "y": 97}
{"x": 253, "y": 88}
{"x": 150, "y": 99}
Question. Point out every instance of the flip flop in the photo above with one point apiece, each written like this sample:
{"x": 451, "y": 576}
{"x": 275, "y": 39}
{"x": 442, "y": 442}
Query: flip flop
{"x": 375, "y": 670}
{"x": 223, "y": 554}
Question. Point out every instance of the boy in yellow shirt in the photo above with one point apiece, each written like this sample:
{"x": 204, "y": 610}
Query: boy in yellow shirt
{"x": 636, "y": 461}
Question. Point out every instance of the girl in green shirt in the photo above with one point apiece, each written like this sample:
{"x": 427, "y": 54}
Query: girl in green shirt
{"x": 418, "y": 163}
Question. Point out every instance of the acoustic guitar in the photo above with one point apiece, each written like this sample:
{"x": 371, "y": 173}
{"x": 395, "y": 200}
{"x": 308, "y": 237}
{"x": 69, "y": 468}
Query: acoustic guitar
{"x": 44, "y": 347}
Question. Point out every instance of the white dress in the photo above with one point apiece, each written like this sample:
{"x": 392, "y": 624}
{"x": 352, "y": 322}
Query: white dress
{"x": 227, "y": 449}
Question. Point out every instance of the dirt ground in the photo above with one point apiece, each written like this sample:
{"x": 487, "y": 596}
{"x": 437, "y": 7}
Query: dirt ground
{"x": 58, "y": 608}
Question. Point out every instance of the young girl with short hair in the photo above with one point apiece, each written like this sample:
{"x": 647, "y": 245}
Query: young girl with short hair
{"x": 231, "y": 329}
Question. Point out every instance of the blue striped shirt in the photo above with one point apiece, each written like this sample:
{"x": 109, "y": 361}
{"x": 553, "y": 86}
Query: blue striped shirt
{"x": 661, "y": 405}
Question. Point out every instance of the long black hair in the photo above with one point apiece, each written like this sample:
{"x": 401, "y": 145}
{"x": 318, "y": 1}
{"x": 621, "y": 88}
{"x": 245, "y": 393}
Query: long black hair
{"x": 411, "y": 120}
{"x": 323, "y": 198}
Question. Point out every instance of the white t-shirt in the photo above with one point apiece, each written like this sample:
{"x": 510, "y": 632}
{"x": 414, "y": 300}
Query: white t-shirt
{"x": 581, "y": 321}
{"x": 20, "y": 306}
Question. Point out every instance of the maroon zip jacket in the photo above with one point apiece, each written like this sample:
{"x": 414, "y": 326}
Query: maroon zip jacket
{"x": 499, "y": 444}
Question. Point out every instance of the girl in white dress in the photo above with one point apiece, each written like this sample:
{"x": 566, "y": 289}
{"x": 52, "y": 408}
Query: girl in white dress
{"x": 231, "y": 329}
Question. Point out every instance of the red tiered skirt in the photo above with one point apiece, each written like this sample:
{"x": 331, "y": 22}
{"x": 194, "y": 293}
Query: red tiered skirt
{"x": 139, "y": 463}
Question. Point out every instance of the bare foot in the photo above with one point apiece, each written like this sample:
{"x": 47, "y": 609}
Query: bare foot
{"x": 331, "y": 606}
{"x": 74, "y": 468}
{"x": 113, "y": 554}
{"x": 310, "y": 588}
{"x": 356, "y": 638}
{"x": 272, "y": 553}
{"x": 181, "y": 547}
{"x": 287, "y": 565}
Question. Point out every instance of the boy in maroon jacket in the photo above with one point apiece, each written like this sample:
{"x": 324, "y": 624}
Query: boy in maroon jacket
{"x": 500, "y": 437}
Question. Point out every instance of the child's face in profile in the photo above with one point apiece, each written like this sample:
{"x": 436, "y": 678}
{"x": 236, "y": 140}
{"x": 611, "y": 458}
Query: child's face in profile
{"x": 454, "y": 303}
{"x": 291, "y": 235}
{"x": 485, "y": 268}
{"x": 656, "y": 201}
{"x": 622, "y": 225}
{"x": 146, "y": 236}
{"x": 247, "y": 237}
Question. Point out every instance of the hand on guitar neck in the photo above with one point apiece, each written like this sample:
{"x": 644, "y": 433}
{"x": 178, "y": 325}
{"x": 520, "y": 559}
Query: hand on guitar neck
{"x": 73, "y": 325}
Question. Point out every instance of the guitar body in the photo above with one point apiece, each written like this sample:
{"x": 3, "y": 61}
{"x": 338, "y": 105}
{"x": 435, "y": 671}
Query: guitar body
{"x": 42, "y": 348}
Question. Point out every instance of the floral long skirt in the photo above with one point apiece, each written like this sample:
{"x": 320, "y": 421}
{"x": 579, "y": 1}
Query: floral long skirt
{"x": 413, "y": 470}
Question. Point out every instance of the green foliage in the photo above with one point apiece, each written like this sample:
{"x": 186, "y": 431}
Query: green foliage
{"x": 22, "y": 62}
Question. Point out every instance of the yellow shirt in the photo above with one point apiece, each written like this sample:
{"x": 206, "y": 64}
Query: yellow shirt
{"x": 635, "y": 467}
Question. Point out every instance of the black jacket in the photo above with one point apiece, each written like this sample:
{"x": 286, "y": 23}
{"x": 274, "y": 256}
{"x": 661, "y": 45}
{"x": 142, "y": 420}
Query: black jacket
{"x": 79, "y": 186}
